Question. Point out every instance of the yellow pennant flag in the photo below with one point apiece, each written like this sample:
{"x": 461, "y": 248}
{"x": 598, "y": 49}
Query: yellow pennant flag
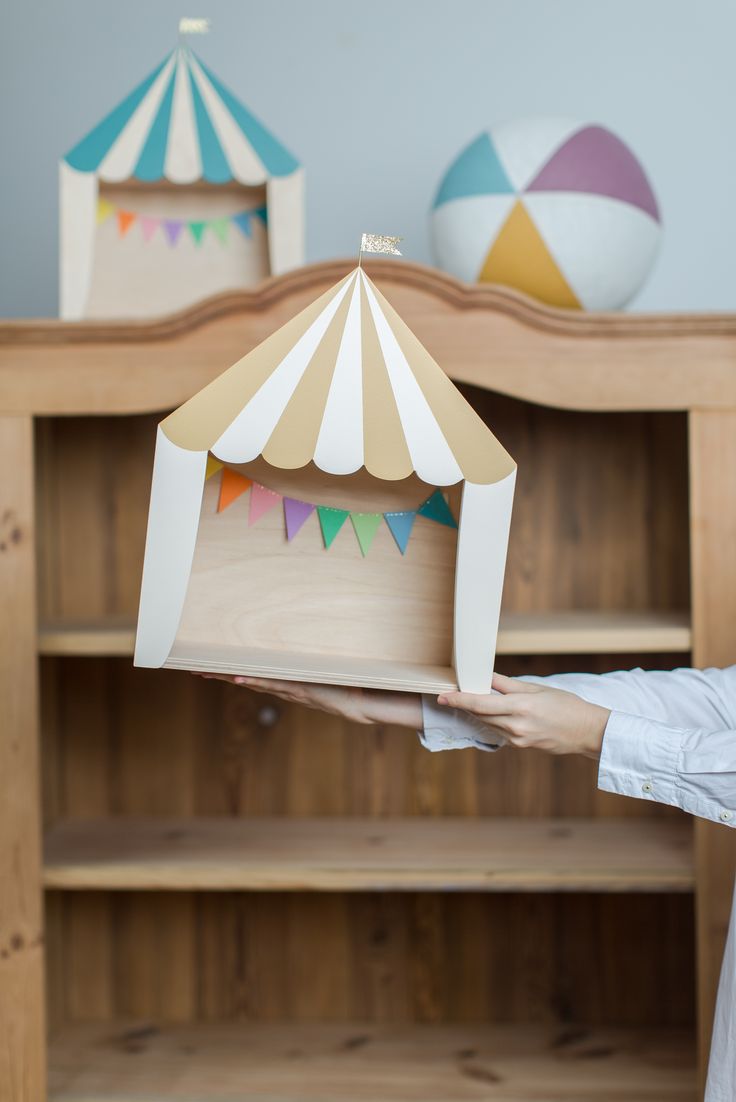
{"x": 213, "y": 466}
{"x": 104, "y": 210}
{"x": 379, "y": 243}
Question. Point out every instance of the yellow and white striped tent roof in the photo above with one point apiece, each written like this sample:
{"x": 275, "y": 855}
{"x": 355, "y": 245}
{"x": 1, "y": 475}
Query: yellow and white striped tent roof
{"x": 345, "y": 384}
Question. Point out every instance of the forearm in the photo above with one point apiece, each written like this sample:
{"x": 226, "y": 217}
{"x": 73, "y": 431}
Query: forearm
{"x": 693, "y": 769}
{"x": 396, "y": 709}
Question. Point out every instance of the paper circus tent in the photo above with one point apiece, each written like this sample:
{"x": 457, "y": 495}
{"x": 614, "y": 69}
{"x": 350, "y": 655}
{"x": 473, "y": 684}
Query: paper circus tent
{"x": 343, "y": 395}
{"x": 164, "y": 200}
{"x": 561, "y": 210}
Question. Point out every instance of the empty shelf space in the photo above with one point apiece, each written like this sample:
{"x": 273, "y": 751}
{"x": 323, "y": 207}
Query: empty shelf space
{"x": 594, "y": 633}
{"x": 367, "y": 1063}
{"x": 104, "y": 637}
{"x": 585, "y": 632}
{"x": 346, "y": 854}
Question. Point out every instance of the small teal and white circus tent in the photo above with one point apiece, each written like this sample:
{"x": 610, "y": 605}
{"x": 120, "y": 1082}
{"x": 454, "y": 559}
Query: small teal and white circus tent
{"x": 179, "y": 192}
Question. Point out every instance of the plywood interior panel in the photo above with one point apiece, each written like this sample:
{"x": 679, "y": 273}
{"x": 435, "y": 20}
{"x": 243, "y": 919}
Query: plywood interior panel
{"x": 247, "y": 587}
{"x": 134, "y": 278}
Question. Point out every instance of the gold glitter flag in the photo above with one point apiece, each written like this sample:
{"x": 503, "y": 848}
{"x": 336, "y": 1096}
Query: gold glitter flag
{"x": 193, "y": 26}
{"x": 379, "y": 243}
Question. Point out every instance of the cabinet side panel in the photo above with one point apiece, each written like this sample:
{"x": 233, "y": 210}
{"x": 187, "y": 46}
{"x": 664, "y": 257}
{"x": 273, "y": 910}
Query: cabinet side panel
{"x": 713, "y": 526}
{"x": 22, "y": 1031}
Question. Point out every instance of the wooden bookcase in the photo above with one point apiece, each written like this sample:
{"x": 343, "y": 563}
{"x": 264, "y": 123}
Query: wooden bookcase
{"x": 248, "y": 900}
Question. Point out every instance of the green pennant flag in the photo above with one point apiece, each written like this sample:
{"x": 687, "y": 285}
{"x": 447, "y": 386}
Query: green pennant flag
{"x": 219, "y": 228}
{"x": 197, "y": 231}
{"x": 436, "y": 508}
{"x": 366, "y": 526}
{"x": 331, "y": 521}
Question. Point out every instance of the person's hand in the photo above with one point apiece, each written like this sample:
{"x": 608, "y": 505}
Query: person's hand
{"x": 357, "y": 705}
{"x": 529, "y": 715}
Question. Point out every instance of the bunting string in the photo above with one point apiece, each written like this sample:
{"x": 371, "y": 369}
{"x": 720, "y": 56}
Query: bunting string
{"x": 172, "y": 228}
{"x": 331, "y": 519}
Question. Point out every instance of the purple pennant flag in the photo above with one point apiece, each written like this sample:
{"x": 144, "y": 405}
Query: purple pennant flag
{"x": 172, "y": 229}
{"x": 295, "y": 513}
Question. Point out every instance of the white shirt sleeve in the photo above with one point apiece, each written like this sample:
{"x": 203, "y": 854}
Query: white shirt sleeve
{"x": 671, "y": 736}
{"x": 449, "y": 729}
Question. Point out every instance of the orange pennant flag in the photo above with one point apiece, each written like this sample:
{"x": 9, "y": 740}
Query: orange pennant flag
{"x": 233, "y": 484}
{"x": 125, "y": 221}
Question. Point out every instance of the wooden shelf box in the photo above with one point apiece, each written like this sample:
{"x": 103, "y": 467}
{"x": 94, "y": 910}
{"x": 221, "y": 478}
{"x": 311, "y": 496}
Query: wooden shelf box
{"x": 344, "y": 387}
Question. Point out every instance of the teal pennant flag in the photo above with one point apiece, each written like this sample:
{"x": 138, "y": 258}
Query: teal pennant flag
{"x": 436, "y": 508}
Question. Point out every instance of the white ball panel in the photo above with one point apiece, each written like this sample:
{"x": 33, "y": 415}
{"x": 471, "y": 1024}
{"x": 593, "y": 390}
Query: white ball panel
{"x": 463, "y": 230}
{"x": 603, "y": 247}
{"x": 525, "y": 145}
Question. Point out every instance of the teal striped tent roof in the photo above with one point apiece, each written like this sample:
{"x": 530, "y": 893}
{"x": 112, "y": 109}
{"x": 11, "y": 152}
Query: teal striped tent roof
{"x": 182, "y": 124}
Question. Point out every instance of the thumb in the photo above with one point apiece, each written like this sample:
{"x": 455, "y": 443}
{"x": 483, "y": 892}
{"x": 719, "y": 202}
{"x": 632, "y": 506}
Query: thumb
{"x": 503, "y": 684}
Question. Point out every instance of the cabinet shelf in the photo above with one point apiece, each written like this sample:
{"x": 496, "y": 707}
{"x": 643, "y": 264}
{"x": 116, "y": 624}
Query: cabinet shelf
{"x": 368, "y": 1063}
{"x": 346, "y": 854}
{"x": 582, "y": 632}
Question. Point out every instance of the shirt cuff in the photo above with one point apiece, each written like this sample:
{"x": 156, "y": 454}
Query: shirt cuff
{"x": 450, "y": 729}
{"x": 639, "y": 758}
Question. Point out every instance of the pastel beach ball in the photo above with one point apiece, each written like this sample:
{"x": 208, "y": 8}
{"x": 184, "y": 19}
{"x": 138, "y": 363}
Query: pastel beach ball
{"x": 561, "y": 210}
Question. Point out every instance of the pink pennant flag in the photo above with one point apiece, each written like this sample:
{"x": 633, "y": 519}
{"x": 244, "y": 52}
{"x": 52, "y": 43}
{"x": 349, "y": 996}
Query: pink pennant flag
{"x": 295, "y": 513}
{"x": 172, "y": 229}
{"x": 261, "y": 501}
{"x": 148, "y": 226}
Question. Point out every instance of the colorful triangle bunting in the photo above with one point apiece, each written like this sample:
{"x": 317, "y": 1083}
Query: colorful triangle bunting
{"x": 261, "y": 501}
{"x": 436, "y": 508}
{"x": 172, "y": 227}
{"x": 213, "y": 466}
{"x": 125, "y": 220}
{"x": 295, "y": 514}
{"x": 197, "y": 231}
{"x": 400, "y": 526}
{"x": 104, "y": 210}
{"x": 331, "y": 521}
{"x": 366, "y": 526}
{"x": 233, "y": 484}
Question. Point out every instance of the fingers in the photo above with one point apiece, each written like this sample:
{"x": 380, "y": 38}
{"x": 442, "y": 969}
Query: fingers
{"x": 260, "y": 684}
{"x": 495, "y": 704}
{"x": 503, "y": 684}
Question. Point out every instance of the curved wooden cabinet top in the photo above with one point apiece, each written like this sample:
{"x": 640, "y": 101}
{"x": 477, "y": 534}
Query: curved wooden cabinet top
{"x": 489, "y": 336}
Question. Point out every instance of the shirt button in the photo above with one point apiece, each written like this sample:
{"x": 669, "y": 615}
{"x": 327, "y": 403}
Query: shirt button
{"x": 726, "y": 815}
{"x": 647, "y": 786}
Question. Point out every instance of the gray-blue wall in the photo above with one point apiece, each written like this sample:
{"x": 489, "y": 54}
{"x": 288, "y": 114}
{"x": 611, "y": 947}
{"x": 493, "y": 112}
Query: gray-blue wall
{"x": 376, "y": 97}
